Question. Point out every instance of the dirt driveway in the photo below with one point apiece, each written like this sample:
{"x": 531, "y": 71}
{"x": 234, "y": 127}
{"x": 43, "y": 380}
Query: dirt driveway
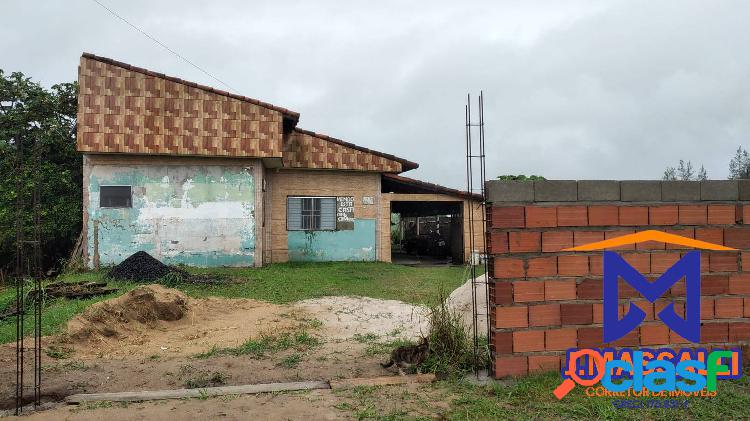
{"x": 155, "y": 340}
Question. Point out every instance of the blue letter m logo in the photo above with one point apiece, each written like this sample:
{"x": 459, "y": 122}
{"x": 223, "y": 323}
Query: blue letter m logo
{"x": 688, "y": 267}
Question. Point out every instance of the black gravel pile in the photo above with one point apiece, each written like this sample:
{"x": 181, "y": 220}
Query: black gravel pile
{"x": 141, "y": 266}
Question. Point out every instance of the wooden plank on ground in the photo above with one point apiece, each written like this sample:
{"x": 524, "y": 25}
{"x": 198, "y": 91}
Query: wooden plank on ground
{"x": 381, "y": 381}
{"x": 195, "y": 393}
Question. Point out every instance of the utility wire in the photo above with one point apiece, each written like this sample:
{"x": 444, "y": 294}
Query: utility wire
{"x": 164, "y": 46}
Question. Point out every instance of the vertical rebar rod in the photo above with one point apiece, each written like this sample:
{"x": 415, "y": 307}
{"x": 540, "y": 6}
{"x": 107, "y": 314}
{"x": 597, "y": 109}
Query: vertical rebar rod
{"x": 470, "y": 189}
{"x": 37, "y": 273}
{"x": 19, "y": 275}
{"x": 483, "y": 176}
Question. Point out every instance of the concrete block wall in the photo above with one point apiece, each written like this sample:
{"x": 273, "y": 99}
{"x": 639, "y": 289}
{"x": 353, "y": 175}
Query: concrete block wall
{"x": 544, "y": 300}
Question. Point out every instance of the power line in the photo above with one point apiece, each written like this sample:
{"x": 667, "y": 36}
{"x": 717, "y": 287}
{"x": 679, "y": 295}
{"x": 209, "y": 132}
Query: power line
{"x": 164, "y": 46}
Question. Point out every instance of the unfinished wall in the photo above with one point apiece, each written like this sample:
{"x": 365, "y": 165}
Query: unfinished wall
{"x": 198, "y": 212}
{"x": 544, "y": 300}
{"x": 359, "y": 244}
{"x": 385, "y": 221}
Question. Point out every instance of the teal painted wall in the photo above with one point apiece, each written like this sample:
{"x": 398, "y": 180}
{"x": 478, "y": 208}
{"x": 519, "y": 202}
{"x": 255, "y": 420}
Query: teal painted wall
{"x": 325, "y": 246}
{"x": 195, "y": 215}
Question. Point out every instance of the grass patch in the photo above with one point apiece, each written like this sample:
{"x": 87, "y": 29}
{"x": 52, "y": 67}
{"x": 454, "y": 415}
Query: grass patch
{"x": 291, "y": 361}
{"x": 195, "y": 378}
{"x": 265, "y": 344}
{"x": 279, "y": 283}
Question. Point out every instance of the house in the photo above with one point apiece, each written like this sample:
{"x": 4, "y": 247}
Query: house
{"x": 199, "y": 176}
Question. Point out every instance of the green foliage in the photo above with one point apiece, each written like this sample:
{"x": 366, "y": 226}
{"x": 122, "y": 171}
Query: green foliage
{"x": 739, "y": 166}
{"x": 520, "y": 177}
{"x": 684, "y": 172}
{"x": 29, "y": 115}
{"x": 265, "y": 344}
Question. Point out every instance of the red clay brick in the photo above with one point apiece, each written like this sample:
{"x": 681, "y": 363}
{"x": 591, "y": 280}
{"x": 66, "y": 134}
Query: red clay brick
{"x": 632, "y": 338}
{"x": 728, "y": 308}
{"x": 746, "y": 214}
{"x": 722, "y": 214}
{"x": 625, "y": 290}
{"x": 662, "y": 215}
{"x": 507, "y": 217}
{"x": 707, "y": 308}
{"x": 714, "y": 284}
{"x": 647, "y": 308}
{"x": 542, "y": 266}
{"x": 650, "y": 245}
{"x": 640, "y": 261}
{"x": 679, "y": 307}
{"x": 503, "y": 293}
{"x": 556, "y": 240}
{"x": 573, "y": 265}
{"x": 525, "y": 291}
{"x": 633, "y": 215}
{"x": 590, "y": 337}
{"x": 502, "y": 342}
{"x": 710, "y": 235}
{"x": 739, "y": 283}
{"x": 693, "y": 214}
{"x": 619, "y": 233}
{"x": 572, "y": 216}
{"x": 714, "y": 332}
{"x": 739, "y": 332}
{"x": 722, "y": 262}
{"x": 598, "y": 312}
{"x": 675, "y": 338}
{"x": 684, "y": 232}
{"x": 563, "y": 289}
{"x": 585, "y": 237}
{"x": 543, "y": 363}
{"x": 746, "y": 261}
{"x": 560, "y": 339}
{"x": 603, "y": 215}
{"x": 544, "y": 315}
{"x": 590, "y": 289}
{"x": 498, "y": 242}
{"x": 539, "y": 216}
{"x": 508, "y": 267}
{"x": 746, "y": 312}
{"x": 738, "y": 238}
{"x": 524, "y": 241}
{"x": 656, "y": 334}
{"x": 528, "y": 340}
{"x": 576, "y": 314}
{"x": 596, "y": 264}
{"x": 660, "y": 262}
{"x": 509, "y": 317}
{"x": 511, "y": 366}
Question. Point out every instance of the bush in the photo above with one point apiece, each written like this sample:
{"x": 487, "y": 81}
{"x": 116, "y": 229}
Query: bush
{"x": 451, "y": 343}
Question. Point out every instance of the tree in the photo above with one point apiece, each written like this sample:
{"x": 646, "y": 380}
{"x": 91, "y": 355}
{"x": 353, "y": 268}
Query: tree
{"x": 739, "y": 166}
{"x": 685, "y": 171}
{"x": 30, "y": 113}
{"x": 520, "y": 177}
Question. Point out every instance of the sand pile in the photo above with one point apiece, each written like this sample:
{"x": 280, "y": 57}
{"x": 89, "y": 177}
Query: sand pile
{"x": 137, "y": 310}
{"x": 460, "y": 301}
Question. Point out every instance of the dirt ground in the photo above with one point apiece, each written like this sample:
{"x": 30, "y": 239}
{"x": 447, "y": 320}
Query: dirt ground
{"x": 149, "y": 339}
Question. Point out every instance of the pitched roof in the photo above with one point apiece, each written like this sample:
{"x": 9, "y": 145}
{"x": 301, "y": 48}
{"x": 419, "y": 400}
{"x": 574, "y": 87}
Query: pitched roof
{"x": 410, "y": 185}
{"x": 378, "y": 162}
{"x": 286, "y": 112}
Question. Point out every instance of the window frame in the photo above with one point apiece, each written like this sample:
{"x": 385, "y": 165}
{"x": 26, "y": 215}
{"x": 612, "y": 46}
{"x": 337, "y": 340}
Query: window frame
{"x": 130, "y": 199}
{"x": 302, "y": 215}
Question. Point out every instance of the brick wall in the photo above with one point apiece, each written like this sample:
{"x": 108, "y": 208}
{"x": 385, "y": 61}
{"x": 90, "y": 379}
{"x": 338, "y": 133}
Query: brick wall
{"x": 545, "y": 300}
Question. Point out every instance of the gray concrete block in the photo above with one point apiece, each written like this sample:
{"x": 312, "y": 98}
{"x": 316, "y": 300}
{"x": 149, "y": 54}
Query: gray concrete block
{"x": 555, "y": 191}
{"x": 640, "y": 191}
{"x": 744, "y": 189}
{"x": 719, "y": 190}
{"x": 672, "y": 191}
{"x": 598, "y": 190}
{"x": 509, "y": 191}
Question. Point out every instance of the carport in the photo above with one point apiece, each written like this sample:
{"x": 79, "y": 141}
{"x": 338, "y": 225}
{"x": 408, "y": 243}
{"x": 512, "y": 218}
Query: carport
{"x": 427, "y": 224}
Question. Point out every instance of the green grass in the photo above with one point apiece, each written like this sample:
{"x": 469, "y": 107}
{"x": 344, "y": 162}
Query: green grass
{"x": 278, "y": 283}
{"x": 265, "y": 344}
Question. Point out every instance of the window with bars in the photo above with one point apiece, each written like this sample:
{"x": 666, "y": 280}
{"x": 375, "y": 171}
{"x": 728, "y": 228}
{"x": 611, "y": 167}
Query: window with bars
{"x": 311, "y": 213}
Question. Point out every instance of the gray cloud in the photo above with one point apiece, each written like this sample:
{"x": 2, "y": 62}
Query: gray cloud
{"x": 601, "y": 89}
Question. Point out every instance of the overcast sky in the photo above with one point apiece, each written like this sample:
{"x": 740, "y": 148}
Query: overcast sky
{"x": 573, "y": 89}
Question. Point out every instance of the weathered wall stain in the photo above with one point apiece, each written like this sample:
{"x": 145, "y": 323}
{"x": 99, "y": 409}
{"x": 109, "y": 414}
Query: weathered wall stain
{"x": 319, "y": 246}
{"x": 196, "y": 215}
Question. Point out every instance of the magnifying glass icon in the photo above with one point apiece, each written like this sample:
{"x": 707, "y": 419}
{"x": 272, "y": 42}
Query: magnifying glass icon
{"x": 568, "y": 384}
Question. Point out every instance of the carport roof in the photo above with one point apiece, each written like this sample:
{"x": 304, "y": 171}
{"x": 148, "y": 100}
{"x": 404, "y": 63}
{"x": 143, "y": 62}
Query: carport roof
{"x": 393, "y": 183}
